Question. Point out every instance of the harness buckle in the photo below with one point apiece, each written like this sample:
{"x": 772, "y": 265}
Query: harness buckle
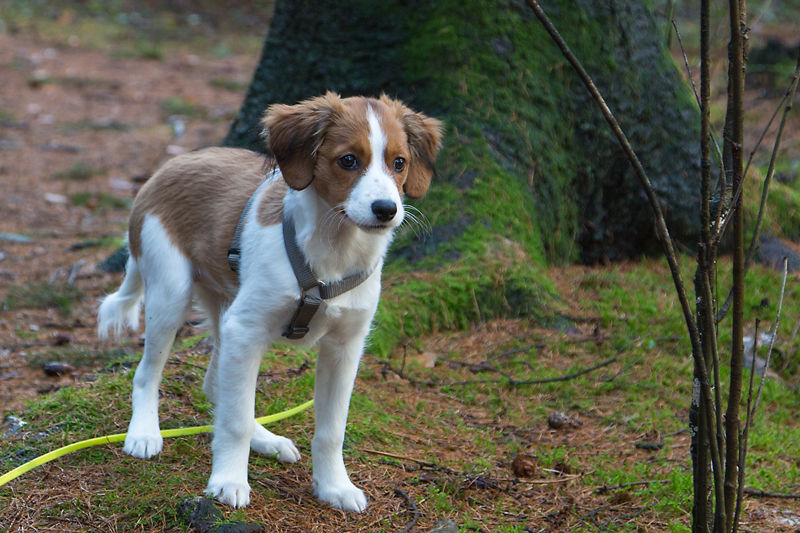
{"x": 298, "y": 326}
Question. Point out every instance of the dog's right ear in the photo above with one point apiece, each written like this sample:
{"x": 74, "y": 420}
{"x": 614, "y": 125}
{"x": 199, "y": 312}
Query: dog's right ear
{"x": 295, "y": 134}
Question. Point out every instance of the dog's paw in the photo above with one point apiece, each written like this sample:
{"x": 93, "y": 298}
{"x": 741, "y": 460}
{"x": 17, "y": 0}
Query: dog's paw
{"x": 267, "y": 443}
{"x": 344, "y": 496}
{"x": 143, "y": 445}
{"x": 234, "y": 494}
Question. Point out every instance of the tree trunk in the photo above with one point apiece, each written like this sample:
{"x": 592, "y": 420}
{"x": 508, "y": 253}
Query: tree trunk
{"x": 529, "y": 171}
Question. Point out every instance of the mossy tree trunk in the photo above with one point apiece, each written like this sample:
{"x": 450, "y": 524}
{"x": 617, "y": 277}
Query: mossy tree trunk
{"x": 528, "y": 173}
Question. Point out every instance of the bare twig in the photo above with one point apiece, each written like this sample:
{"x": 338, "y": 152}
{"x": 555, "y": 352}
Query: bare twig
{"x": 652, "y": 198}
{"x": 746, "y": 432}
{"x": 412, "y": 506}
{"x": 655, "y": 206}
{"x": 699, "y": 103}
{"x": 604, "y": 488}
{"x": 73, "y": 273}
{"x": 516, "y": 351}
{"x": 789, "y": 99}
{"x": 762, "y": 494}
{"x": 774, "y": 334}
{"x": 517, "y": 383}
{"x": 401, "y": 457}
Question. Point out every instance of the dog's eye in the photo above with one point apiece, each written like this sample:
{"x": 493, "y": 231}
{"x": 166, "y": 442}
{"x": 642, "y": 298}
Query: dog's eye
{"x": 399, "y": 164}
{"x": 348, "y": 161}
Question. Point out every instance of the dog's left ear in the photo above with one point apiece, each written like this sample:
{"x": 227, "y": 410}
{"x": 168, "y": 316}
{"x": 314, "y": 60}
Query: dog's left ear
{"x": 295, "y": 134}
{"x": 424, "y": 139}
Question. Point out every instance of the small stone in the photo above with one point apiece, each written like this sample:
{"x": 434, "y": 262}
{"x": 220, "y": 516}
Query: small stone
{"x": 204, "y": 517}
{"x": 562, "y": 468}
{"x": 445, "y": 526}
{"x": 56, "y": 369}
{"x": 54, "y": 198}
{"x": 14, "y": 237}
{"x": 13, "y": 424}
{"x": 60, "y": 339}
{"x": 200, "y": 513}
{"x": 524, "y": 466}
{"x": 562, "y": 420}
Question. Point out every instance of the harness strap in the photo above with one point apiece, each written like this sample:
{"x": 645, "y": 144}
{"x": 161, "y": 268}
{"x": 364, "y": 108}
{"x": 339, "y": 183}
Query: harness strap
{"x": 309, "y": 304}
{"x": 235, "y": 251}
{"x": 298, "y": 326}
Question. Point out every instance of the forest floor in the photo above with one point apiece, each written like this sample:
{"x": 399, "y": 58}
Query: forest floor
{"x": 87, "y": 113}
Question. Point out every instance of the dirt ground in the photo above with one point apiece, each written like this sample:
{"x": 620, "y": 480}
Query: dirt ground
{"x": 67, "y": 106}
{"x": 106, "y": 114}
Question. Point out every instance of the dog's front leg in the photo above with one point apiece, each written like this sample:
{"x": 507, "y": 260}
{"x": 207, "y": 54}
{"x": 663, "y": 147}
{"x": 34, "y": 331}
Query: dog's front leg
{"x": 241, "y": 347}
{"x": 337, "y": 365}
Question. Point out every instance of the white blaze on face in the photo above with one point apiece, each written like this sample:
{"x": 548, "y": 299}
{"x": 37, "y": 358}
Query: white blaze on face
{"x": 377, "y": 183}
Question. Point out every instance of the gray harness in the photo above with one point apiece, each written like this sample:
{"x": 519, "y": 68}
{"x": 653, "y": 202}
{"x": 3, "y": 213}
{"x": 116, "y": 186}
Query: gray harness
{"x": 307, "y": 308}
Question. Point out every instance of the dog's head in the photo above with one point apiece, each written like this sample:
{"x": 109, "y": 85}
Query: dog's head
{"x": 359, "y": 154}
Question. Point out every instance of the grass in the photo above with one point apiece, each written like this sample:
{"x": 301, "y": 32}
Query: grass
{"x": 228, "y": 84}
{"x": 79, "y": 171}
{"x": 469, "y": 425}
{"x": 178, "y": 105}
{"x": 94, "y": 200}
{"x": 43, "y": 296}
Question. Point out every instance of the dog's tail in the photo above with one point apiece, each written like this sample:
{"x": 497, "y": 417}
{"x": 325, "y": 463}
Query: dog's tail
{"x": 122, "y": 307}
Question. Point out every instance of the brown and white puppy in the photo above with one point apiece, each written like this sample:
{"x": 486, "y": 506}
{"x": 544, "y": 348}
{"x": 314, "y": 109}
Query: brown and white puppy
{"x": 344, "y": 165}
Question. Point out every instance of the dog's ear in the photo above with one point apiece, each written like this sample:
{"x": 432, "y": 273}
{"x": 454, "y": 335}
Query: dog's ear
{"x": 424, "y": 140}
{"x": 295, "y": 134}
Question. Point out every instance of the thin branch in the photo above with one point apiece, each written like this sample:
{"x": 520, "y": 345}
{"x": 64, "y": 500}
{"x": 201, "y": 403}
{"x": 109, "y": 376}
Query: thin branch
{"x": 412, "y": 506}
{"x": 661, "y": 226}
{"x": 762, "y": 494}
{"x": 721, "y": 231}
{"x": 516, "y": 383}
{"x": 699, "y": 103}
{"x": 774, "y": 334}
{"x": 789, "y": 99}
{"x": 746, "y": 432}
{"x": 604, "y": 489}
{"x": 652, "y": 198}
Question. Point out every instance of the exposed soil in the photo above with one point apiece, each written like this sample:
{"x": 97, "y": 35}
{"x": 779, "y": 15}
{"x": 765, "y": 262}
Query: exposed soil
{"x": 107, "y": 114}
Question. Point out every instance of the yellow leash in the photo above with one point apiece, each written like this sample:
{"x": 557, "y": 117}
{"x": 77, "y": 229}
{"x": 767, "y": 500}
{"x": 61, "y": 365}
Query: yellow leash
{"x": 46, "y": 458}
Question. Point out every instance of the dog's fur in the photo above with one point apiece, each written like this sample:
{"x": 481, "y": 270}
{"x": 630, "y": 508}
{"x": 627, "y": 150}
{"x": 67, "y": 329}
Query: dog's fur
{"x": 181, "y": 226}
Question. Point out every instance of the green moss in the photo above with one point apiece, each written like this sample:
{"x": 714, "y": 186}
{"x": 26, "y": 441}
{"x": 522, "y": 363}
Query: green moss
{"x": 498, "y": 280}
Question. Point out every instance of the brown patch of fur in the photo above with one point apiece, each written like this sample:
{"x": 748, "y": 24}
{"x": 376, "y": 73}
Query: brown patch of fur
{"x": 270, "y": 207}
{"x": 348, "y": 134}
{"x": 199, "y": 197}
{"x": 296, "y": 134}
{"x": 424, "y": 136}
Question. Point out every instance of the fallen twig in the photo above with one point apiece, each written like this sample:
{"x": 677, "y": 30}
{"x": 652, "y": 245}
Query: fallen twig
{"x": 604, "y": 488}
{"x": 517, "y": 383}
{"x": 412, "y": 506}
{"x": 73, "y": 273}
{"x": 401, "y": 457}
{"x": 762, "y": 494}
{"x": 516, "y": 351}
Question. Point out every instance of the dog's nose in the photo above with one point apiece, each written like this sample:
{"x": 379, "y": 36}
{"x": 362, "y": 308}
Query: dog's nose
{"x": 384, "y": 210}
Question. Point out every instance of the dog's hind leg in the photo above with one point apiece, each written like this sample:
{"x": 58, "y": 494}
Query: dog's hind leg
{"x": 168, "y": 295}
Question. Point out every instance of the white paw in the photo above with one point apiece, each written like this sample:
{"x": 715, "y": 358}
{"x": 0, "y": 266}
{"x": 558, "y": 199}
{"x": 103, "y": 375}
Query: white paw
{"x": 344, "y": 496}
{"x": 143, "y": 445}
{"x": 230, "y": 493}
{"x": 267, "y": 443}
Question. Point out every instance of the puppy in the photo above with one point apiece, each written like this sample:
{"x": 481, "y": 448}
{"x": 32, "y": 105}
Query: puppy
{"x": 343, "y": 166}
